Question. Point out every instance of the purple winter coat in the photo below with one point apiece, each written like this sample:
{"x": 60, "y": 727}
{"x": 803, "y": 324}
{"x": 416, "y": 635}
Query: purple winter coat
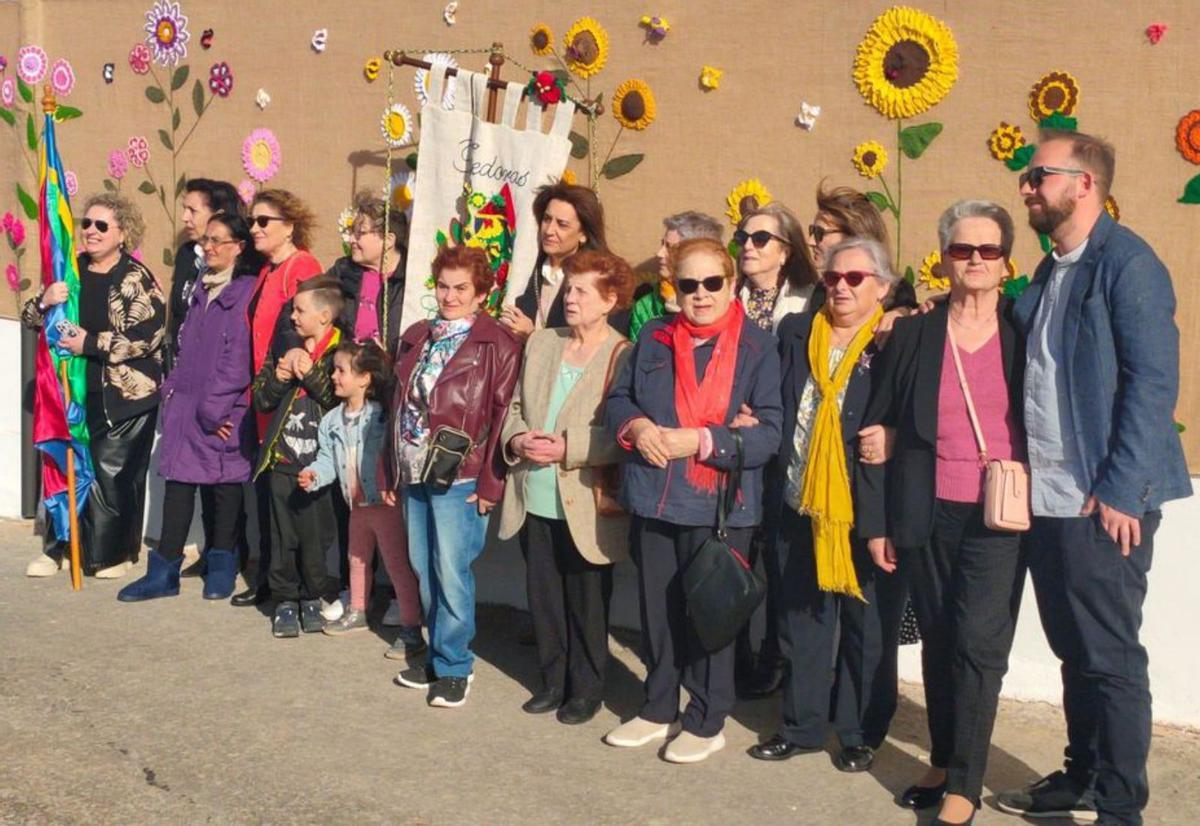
{"x": 210, "y": 385}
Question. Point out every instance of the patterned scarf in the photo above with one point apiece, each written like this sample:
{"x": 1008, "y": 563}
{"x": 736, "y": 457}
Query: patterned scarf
{"x": 825, "y": 495}
{"x": 445, "y": 337}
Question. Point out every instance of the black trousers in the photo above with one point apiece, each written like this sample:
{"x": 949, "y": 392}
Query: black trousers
{"x": 568, "y": 601}
{"x": 303, "y": 527}
{"x": 110, "y": 526}
{"x": 966, "y": 590}
{"x": 255, "y": 563}
{"x": 674, "y": 657}
{"x": 221, "y": 505}
{"x": 1090, "y": 600}
{"x": 818, "y": 628}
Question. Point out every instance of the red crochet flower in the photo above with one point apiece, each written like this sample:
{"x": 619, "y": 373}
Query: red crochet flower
{"x": 547, "y": 87}
{"x": 220, "y": 79}
{"x": 139, "y": 59}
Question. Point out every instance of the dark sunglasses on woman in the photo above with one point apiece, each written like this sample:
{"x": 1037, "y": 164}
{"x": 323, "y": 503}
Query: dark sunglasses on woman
{"x": 712, "y": 284}
{"x": 852, "y": 278}
{"x": 817, "y": 234}
{"x": 760, "y": 238}
{"x": 964, "y": 252}
{"x": 101, "y": 225}
{"x": 262, "y": 220}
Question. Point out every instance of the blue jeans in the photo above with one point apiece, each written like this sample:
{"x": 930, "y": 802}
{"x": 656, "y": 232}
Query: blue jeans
{"x": 445, "y": 535}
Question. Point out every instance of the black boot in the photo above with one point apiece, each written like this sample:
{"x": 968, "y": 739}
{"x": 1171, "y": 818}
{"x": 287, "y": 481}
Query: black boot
{"x": 161, "y": 580}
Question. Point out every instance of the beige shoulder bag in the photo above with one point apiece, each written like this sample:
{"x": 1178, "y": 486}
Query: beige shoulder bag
{"x": 1006, "y": 487}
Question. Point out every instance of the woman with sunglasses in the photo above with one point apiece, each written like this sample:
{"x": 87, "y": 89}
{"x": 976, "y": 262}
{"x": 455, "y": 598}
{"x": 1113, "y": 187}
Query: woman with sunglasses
{"x": 833, "y": 607}
{"x": 281, "y": 227}
{"x": 121, "y": 334}
{"x": 674, "y": 408}
{"x": 966, "y": 579}
{"x": 776, "y": 274}
{"x": 207, "y": 442}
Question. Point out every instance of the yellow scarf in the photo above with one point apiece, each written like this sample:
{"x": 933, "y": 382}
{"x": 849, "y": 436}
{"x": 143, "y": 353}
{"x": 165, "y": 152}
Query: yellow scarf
{"x": 825, "y": 496}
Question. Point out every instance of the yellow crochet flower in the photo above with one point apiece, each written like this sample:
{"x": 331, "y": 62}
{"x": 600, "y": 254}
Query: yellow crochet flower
{"x": 870, "y": 158}
{"x": 541, "y": 40}
{"x": 1010, "y": 272}
{"x": 633, "y": 104}
{"x": 1005, "y": 140}
{"x": 371, "y": 68}
{"x": 1055, "y": 92}
{"x": 396, "y": 125}
{"x": 710, "y": 77}
{"x": 569, "y": 177}
{"x": 930, "y": 274}
{"x": 906, "y": 63}
{"x": 1114, "y": 211}
{"x": 586, "y": 47}
{"x": 748, "y": 195}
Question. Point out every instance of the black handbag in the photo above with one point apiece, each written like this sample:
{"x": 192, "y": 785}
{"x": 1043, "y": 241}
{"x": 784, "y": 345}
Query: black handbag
{"x": 721, "y": 590}
{"x": 448, "y": 449}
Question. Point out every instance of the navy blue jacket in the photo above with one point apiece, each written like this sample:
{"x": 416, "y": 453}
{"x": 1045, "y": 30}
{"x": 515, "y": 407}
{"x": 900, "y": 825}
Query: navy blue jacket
{"x": 1122, "y": 367}
{"x": 646, "y": 387}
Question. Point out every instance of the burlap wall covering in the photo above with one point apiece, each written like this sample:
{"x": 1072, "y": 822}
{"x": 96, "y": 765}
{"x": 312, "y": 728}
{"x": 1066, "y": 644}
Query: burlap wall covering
{"x": 701, "y": 143}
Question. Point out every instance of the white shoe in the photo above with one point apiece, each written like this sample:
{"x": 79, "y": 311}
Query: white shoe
{"x": 692, "y": 748}
{"x": 332, "y": 611}
{"x": 639, "y": 732}
{"x": 43, "y": 566}
{"x": 391, "y": 617}
{"x": 113, "y": 571}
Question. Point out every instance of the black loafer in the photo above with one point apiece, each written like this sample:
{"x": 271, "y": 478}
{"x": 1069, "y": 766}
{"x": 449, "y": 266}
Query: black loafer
{"x": 251, "y": 596}
{"x": 197, "y": 568}
{"x": 922, "y": 797}
{"x": 778, "y": 748}
{"x": 854, "y": 759}
{"x": 578, "y": 710}
{"x": 543, "y": 702}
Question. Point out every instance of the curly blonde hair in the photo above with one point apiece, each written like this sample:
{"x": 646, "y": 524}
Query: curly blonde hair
{"x": 292, "y": 210}
{"x": 128, "y": 216}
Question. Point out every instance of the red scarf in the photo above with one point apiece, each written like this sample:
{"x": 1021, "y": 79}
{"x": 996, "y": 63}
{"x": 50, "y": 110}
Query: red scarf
{"x": 706, "y": 403}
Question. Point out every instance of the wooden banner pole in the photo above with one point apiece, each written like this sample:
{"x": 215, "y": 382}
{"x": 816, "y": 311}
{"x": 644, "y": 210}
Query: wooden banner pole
{"x": 76, "y": 565}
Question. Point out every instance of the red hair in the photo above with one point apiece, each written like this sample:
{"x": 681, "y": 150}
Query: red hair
{"x": 471, "y": 259}
{"x": 614, "y": 276}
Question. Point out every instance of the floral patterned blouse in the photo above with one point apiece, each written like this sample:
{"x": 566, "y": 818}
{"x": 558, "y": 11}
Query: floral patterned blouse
{"x": 760, "y": 306}
{"x": 806, "y": 411}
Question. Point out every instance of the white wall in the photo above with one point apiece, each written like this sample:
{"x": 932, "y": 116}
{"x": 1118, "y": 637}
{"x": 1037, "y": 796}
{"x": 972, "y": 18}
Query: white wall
{"x": 10, "y": 418}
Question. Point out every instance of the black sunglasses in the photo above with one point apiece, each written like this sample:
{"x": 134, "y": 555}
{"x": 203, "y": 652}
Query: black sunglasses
{"x": 963, "y": 252}
{"x": 712, "y": 284}
{"x": 101, "y": 226}
{"x": 760, "y": 238}
{"x": 852, "y": 278}
{"x": 263, "y": 220}
{"x": 818, "y": 233}
{"x": 1036, "y": 175}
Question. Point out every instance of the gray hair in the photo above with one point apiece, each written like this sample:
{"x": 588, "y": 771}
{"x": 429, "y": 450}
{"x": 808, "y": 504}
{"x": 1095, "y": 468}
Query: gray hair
{"x": 692, "y": 224}
{"x": 880, "y": 259}
{"x": 976, "y": 209}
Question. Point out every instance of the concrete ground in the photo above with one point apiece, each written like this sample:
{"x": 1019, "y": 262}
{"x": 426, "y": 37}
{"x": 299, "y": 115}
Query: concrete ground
{"x": 186, "y": 711}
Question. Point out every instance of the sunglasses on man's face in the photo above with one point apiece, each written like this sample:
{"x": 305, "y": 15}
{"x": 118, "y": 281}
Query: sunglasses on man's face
{"x": 964, "y": 252}
{"x": 1037, "y": 175}
{"x": 760, "y": 238}
{"x": 261, "y": 221}
{"x": 712, "y": 284}
{"x": 101, "y": 225}
{"x": 852, "y": 278}
{"x": 818, "y": 233}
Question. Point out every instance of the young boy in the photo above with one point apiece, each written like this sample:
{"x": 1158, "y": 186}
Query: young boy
{"x": 295, "y": 387}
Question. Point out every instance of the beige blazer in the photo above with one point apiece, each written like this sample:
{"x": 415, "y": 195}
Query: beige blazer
{"x": 600, "y": 540}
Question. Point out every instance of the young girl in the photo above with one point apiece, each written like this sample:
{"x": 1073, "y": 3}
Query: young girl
{"x": 351, "y": 439}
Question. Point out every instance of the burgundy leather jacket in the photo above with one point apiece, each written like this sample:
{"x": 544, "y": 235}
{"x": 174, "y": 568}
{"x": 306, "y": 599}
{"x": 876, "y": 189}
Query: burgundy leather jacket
{"x": 471, "y": 394}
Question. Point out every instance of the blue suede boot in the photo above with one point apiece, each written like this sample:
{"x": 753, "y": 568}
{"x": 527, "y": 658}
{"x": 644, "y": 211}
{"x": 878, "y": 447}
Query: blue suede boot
{"x": 222, "y": 572}
{"x": 161, "y": 580}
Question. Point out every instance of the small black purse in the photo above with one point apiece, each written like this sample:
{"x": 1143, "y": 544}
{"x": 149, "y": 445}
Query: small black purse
{"x": 448, "y": 449}
{"x": 720, "y": 588}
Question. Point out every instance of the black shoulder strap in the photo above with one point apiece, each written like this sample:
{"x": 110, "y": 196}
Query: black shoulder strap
{"x": 728, "y": 486}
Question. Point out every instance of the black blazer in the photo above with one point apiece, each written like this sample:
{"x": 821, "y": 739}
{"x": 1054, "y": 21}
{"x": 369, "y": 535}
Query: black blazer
{"x": 793, "y": 334}
{"x": 896, "y": 499}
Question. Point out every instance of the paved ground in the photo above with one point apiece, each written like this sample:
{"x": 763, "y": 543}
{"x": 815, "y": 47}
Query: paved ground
{"x": 184, "y": 711}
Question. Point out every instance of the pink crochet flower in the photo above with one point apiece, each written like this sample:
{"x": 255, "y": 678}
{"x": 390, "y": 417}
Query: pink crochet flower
{"x": 8, "y": 92}
{"x": 62, "y": 77}
{"x": 118, "y": 165}
{"x": 220, "y": 79}
{"x": 13, "y": 276}
{"x": 7, "y": 221}
{"x": 32, "y": 63}
{"x": 138, "y": 151}
{"x": 16, "y": 233}
{"x": 246, "y": 191}
{"x": 72, "y": 183}
{"x": 139, "y": 59}
{"x": 261, "y": 155}
{"x": 1155, "y": 32}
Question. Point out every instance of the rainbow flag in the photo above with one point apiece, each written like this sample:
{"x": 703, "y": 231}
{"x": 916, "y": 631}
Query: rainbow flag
{"x": 58, "y": 426}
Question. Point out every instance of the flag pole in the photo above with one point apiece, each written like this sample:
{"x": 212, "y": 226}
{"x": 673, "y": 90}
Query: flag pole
{"x": 49, "y": 105}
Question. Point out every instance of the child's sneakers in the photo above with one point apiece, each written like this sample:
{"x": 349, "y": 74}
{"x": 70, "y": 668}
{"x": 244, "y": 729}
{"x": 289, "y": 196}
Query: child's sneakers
{"x": 408, "y": 644}
{"x": 351, "y": 621}
{"x": 417, "y": 676}
{"x": 391, "y": 617}
{"x": 286, "y": 622}
{"x": 310, "y": 616}
{"x": 450, "y": 692}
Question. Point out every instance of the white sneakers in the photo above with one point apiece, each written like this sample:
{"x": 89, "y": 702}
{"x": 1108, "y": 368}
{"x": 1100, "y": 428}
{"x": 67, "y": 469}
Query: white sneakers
{"x": 332, "y": 611}
{"x": 45, "y": 565}
{"x": 391, "y": 617}
{"x": 114, "y": 571}
{"x": 685, "y": 748}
